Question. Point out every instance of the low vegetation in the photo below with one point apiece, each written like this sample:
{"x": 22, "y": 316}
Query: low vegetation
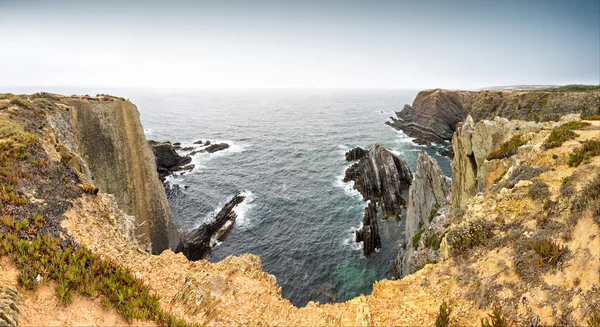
{"x": 548, "y": 251}
{"x": 539, "y": 191}
{"x": 582, "y": 154}
{"x": 21, "y": 102}
{"x": 508, "y": 148}
{"x": 575, "y": 88}
{"x": 417, "y": 238}
{"x": 443, "y": 317}
{"x": 523, "y": 172}
{"x": 564, "y": 132}
{"x": 594, "y": 319}
{"x": 496, "y": 319}
{"x": 469, "y": 235}
{"x": 434, "y": 211}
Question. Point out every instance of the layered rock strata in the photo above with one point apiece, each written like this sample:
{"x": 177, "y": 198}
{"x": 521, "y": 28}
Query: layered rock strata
{"x": 369, "y": 232}
{"x": 197, "y": 244}
{"x": 108, "y": 135}
{"x": 167, "y": 159}
{"x": 428, "y": 200}
{"x": 380, "y": 176}
{"x": 356, "y": 154}
{"x": 434, "y": 113}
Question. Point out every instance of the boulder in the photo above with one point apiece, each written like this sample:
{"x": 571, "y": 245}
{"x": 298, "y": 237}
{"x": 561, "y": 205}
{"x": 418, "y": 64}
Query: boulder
{"x": 216, "y": 147}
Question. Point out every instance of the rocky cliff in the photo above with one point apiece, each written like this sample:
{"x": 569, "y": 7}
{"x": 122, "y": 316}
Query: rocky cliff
{"x": 102, "y": 137}
{"x": 428, "y": 200}
{"x": 527, "y": 246}
{"x": 434, "y": 113}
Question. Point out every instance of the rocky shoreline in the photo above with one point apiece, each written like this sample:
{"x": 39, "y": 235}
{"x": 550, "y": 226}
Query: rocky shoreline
{"x": 434, "y": 114}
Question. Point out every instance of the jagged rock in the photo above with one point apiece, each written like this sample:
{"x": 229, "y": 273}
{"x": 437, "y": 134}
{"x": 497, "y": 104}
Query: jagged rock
{"x": 9, "y": 305}
{"x": 448, "y": 152}
{"x": 216, "y": 147}
{"x": 369, "y": 233}
{"x": 187, "y": 148}
{"x": 207, "y": 143}
{"x": 355, "y": 154}
{"x": 167, "y": 159}
{"x": 198, "y": 142}
{"x": 197, "y": 244}
{"x": 471, "y": 171}
{"x": 382, "y": 176}
{"x": 435, "y": 113}
{"x": 428, "y": 197}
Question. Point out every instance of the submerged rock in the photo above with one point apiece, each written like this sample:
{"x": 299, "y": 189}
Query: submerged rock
{"x": 382, "y": 176}
{"x": 369, "y": 233}
{"x": 216, "y": 147}
{"x": 167, "y": 159}
{"x": 355, "y": 154}
{"x": 428, "y": 198}
{"x": 198, "y": 243}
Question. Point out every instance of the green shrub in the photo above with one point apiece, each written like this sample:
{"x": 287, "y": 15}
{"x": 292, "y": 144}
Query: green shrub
{"x": 443, "y": 318}
{"x": 594, "y": 320}
{"x": 497, "y": 319}
{"x": 590, "y": 148}
{"x": 574, "y": 88}
{"x": 434, "y": 211}
{"x": 539, "y": 191}
{"x": 548, "y": 251}
{"x": 417, "y": 238}
{"x": 469, "y": 235}
{"x": 21, "y": 102}
{"x": 564, "y": 132}
{"x": 508, "y": 148}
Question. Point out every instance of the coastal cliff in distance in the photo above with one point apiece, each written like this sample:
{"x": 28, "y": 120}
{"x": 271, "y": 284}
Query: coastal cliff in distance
{"x": 434, "y": 113}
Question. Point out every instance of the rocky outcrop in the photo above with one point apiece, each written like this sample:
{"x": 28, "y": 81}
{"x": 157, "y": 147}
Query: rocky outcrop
{"x": 382, "y": 176}
{"x": 109, "y": 137}
{"x": 167, "y": 159}
{"x": 9, "y": 304}
{"x": 434, "y": 113}
{"x": 212, "y": 148}
{"x": 369, "y": 232}
{"x": 355, "y": 154}
{"x": 428, "y": 199}
{"x": 197, "y": 244}
{"x": 471, "y": 171}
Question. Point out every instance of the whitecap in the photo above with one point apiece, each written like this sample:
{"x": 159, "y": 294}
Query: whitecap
{"x": 242, "y": 209}
{"x": 347, "y": 187}
{"x": 350, "y": 241}
{"x": 200, "y": 159}
{"x": 173, "y": 180}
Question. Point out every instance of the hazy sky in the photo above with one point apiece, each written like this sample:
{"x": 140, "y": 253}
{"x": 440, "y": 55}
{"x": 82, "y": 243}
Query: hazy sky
{"x": 307, "y": 44}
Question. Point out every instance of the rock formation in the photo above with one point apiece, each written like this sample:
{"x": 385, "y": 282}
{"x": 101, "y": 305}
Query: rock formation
{"x": 109, "y": 137}
{"x": 382, "y": 176}
{"x": 167, "y": 159}
{"x": 434, "y": 113}
{"x": 356, "y": 154}
{"x": 369, "y": 232}
{"x": 471, "y": 171}
{"x": 428, "y": 198}
{"x": 9, "y": 303}
{"x": 197, "y": 244}
{"x": 216, "y": 147}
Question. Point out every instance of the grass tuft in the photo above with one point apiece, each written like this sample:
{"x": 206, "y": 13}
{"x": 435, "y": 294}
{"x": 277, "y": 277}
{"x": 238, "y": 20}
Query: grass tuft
{"x": 548, "y": 251}
{"x": 508, "y": 148}
{"x": 496, "y": 319}
{"x": 589, "y": 149}
{"x": 443, "y": 318}
{"x": 564, "y": 132}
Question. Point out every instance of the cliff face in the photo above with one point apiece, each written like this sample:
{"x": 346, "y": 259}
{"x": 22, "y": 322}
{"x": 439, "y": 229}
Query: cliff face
{"x": 428, "y": 199}
{"x": 107, "y": 134}
{"x": 435, "y": 113}
{"x": 476, "y": 259}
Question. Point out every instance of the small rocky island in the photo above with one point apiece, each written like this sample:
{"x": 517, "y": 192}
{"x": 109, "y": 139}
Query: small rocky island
{"x": 380, "y": 177}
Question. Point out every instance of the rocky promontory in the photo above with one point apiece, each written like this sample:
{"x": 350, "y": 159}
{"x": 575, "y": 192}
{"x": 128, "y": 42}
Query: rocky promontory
{"x": 167, "y": 159}
{"x": 434, "y": 113}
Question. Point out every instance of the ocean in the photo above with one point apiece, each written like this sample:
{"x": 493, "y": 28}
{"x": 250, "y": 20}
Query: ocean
{"x": 286, "y": 155}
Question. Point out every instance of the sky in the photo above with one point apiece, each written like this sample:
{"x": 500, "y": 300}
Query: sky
{"x": 225, "y": 44}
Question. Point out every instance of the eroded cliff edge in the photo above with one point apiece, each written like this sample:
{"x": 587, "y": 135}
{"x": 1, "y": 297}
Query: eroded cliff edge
{"x": 483, "y": 255}
{"x": 103, "y": 138}
{"x": 434, "y": 113}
